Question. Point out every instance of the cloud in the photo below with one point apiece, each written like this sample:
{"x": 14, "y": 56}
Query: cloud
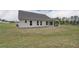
{"x": 2, "y": 13}
{"x": 58, "y": 13}
{"x": 11, "y": 15}
{"x": 64, "y": 13}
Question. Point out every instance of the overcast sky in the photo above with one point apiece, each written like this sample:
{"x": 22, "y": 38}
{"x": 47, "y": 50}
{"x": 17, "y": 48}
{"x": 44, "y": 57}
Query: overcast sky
{"x": 13, "y": 14}
{"x": 9, "y": 14}
{"x": 59, "y": 13}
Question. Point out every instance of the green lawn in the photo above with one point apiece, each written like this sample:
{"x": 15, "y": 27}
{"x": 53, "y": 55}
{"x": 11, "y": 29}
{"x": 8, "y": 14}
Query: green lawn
{"x": 63, "y": 36}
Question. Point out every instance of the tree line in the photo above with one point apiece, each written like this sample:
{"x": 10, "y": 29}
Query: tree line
{"x": 4, "y": 20}
{"x": 74, "y": 20}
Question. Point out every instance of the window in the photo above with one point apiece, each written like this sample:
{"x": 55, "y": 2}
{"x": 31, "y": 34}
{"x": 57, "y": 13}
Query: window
{"x": 30, "y": 23}
{"x": 40, "y": 22}
{"x": 25, "y": 21}
{"x": 37, "y": 22}
{"x": 51, "y": 23}
{"x": 46, "y": 22}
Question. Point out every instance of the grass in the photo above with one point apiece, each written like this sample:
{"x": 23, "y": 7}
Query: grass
{"x": 66, "y": 36}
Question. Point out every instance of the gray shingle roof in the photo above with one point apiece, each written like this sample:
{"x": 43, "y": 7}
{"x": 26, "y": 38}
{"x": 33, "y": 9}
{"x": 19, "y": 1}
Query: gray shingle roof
{"x": 24, "y": 15}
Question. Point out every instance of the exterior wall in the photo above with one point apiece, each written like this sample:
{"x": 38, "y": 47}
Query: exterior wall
{"x": 22, "y": 24}
{"x": 44, "y": 23}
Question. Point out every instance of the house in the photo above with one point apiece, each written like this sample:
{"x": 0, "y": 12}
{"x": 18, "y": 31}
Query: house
{"x": 31, "y": 19}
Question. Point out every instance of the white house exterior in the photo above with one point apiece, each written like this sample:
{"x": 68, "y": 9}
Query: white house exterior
{"x": 30, "y": 19}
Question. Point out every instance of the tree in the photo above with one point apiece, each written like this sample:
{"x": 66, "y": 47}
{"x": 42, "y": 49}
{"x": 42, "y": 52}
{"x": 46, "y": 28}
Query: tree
{"x": 3, "y": 20}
